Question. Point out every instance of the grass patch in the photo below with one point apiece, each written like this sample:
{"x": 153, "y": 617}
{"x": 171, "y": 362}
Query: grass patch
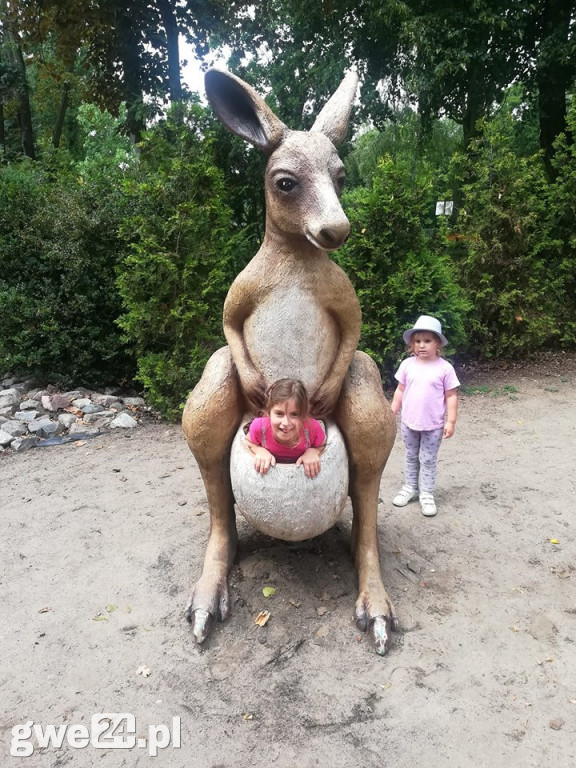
{"x": 506, "y": 390}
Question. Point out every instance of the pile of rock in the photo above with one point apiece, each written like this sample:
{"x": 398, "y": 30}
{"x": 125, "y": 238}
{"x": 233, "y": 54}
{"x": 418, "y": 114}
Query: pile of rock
{"x": 31, "y": 417}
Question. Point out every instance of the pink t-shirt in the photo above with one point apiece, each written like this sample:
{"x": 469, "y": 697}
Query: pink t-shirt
{"x": 311, "y": 436}
{"x": 424, "y": 397}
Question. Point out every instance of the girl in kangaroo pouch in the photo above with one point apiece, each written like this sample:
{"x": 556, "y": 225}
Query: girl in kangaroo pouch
{"x": 287, "y": 434}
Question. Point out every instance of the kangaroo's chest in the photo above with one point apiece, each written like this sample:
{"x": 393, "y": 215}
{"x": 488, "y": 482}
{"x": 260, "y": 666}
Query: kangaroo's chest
{"x": 290, "y": 333}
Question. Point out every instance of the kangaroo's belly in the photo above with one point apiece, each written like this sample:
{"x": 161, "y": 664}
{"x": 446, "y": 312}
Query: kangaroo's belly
{"x": 290, "y": 334}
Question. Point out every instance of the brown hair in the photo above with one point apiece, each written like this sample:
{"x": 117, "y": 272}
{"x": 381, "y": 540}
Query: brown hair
{"x": 288, "y": 389}
{"x": 439, "y": 350}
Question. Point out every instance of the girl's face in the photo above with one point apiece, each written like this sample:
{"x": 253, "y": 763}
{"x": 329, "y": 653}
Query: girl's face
{"x": 285, "y": 421}
{"x": 425, "y": 345}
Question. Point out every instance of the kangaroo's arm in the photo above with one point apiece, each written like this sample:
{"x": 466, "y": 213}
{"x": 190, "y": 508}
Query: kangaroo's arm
{"x": 238, "y": 306}
{"x": 341, "y": 301}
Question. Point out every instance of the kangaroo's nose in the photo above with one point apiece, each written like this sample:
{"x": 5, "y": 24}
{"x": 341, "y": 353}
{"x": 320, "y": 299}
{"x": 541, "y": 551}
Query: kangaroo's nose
{"x": 333, "y": 237}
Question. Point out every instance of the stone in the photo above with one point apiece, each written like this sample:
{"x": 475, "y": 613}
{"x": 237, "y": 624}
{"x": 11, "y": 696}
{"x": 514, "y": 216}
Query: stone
{"x": 9, "y": 397}
{"x": 15, "y": 428}
{"x": 123, "y": 421}
{"x": 100, "y": 416}
{"x": 82, "y": 429}
{"x": 7, "y": 383}
{"x": 105, "y": 400}
{"x": 29, "y": 404}
{"x": 39, "y": 394}
{"x": 55, "y": 402}
{"x": 81, "y": 402}
{"x": 45, "y": 427}
{"x": 24, "y": 443}
{"x": 139, "y": 402}
{"x": 75, "y": 394}
{"x": 8, "y": 410}
{"x": 67, "y": 419}
{"x": 92, "y": 408}
{"x": 5, "y": 438}
{"x": 26, "y": 415}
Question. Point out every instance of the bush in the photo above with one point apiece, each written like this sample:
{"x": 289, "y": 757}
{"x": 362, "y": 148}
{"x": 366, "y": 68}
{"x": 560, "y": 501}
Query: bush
{"x": 183, "y": 253}
{"x": 398, "y": 270}
{"x": 512, "y": 256}
{"x": 58, "y": 299}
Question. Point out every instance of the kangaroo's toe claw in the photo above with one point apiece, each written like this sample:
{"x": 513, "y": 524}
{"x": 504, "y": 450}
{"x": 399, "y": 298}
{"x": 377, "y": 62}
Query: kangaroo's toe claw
{"x": 202, "y": 623}
{"x": 380, "y": 629}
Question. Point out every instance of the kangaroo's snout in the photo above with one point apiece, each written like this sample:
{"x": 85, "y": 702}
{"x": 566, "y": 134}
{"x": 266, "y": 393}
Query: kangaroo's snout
{"x": 330, "y": 238}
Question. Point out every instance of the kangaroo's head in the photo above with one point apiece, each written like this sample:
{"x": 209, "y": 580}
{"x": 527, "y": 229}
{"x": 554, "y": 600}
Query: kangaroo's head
{"x": 304, "y": 175}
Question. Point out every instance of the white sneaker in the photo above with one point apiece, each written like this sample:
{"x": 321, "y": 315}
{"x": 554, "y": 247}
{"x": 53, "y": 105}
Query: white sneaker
{"x": 427, "y": 503}
{"x": 404, "y": 496}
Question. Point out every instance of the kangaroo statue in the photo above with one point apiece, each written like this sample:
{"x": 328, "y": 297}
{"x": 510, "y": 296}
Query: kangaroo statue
{"x": 291, "y": 312}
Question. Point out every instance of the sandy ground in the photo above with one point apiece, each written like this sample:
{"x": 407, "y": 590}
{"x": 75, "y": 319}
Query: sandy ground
{"x": 101, "y": 542}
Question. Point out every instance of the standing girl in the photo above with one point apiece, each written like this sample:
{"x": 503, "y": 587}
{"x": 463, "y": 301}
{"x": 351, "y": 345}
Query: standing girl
{"x": 287, "y": 434}
{"x": 427, "y": 393}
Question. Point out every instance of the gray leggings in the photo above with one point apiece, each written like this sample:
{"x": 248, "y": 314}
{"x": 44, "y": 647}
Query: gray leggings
{"x": 420, "y": 454}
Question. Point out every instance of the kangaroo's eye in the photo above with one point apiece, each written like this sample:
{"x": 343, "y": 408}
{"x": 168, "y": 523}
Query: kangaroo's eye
{"x": 285, "y": 184}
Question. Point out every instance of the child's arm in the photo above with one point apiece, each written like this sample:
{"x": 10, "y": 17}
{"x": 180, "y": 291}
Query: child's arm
{"x": 311, "y": 461}
{"x": 451, "y": 396}
{"x": 397, "y": 399}
{"x": 263, "y": 458}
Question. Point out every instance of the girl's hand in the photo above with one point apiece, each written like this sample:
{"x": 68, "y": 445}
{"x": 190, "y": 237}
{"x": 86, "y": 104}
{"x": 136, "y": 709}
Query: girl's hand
{"x": 311, "y": 461}
{"x": 264, "y": 459}
{"x": 449, "y": 428}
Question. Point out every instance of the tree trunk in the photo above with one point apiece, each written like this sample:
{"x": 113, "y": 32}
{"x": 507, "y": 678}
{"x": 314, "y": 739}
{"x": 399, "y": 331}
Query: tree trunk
{"x": 554, "y": 71}
{"x": 2, "y": 131}
{"x": 172, "y": 49}
{"x": 23, "y": 95}
{"x": 128, "y": 51}
{"x": 60, "y": 117}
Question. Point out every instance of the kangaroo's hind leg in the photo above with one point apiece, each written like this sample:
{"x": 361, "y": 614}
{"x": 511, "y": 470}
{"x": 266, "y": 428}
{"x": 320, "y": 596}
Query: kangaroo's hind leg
{"x": 366, "y": 420}
{"x": 211, "y": 417}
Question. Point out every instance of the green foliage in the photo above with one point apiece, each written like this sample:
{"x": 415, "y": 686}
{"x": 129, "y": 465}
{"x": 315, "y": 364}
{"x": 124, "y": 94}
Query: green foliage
{"x": 183, "y": 253}
{"x": 399, "y": 271}
{"x": 58, "y": 301}
{"x": 513, "y": 257}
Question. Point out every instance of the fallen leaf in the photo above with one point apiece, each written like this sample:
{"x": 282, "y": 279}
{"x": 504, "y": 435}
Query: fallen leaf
{"x": 557, "y": 723}
{"x": 79, "y": 443}
{"x": 571, "y": 701}
{"x": 554, "y": 541}
{"x": 99, "y": 617}
{"x": 111, "y": 608}
{"x": 295, "y": 603}
{"x": 268, "y": 591}
{"x": 127, "y": 609}
{"x": 248, "y": 716}
{"x": 144, "y": 671}
{"x": 515, "y": 629}
{"x": 385, "y": 686}
{"x": 321, "y": 611}
{"x": 45, "y": 609}
{"x": 262, "y": 618}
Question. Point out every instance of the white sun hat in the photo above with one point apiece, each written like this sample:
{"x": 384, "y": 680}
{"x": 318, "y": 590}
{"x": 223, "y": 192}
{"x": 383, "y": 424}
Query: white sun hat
{"x": 426, "y": 323}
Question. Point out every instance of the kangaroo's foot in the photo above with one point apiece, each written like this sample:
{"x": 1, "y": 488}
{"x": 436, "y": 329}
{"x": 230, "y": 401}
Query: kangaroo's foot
{"x": 209, "y": 603}
{"x": 375, "y": 614}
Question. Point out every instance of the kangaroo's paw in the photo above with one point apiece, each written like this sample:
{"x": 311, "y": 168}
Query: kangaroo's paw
{"x": 208, "y": 604}
{"x": 376, "y": 615}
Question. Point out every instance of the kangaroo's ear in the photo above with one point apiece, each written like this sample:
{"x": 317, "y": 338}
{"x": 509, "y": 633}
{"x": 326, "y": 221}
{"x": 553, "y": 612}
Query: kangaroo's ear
{"x": 333, "y": 119}
{"x": 243, "y": 111}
